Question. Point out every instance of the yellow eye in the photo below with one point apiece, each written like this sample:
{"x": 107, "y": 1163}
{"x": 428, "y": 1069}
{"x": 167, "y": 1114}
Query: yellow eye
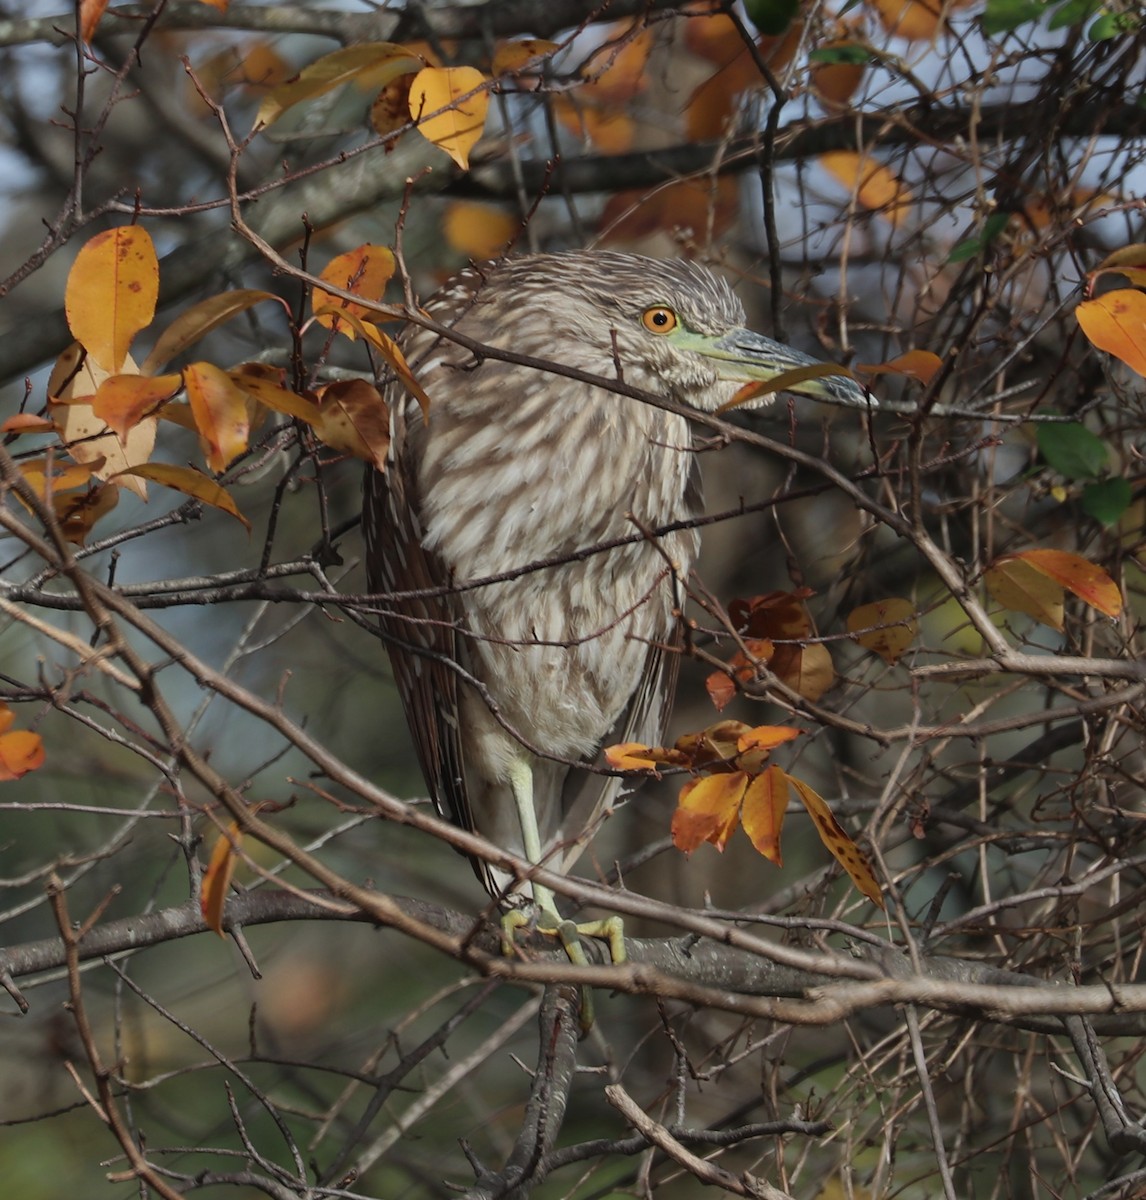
{"x": 659, "y": 319}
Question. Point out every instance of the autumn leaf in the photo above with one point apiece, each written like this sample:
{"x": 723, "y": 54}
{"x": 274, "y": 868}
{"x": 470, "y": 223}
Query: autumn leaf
{"x": 190, "y": 483}
{"x": 364, "y": 271}
{"x": 478, "y": 230}
{"x": 1089, "y": 582}
{"x": 111, "y": 293}
{"x": 216, "y": 882}
{"x": 876, "y": 187}
{"x": 708, "y": 810}
{"x": 451, "y": 123}
{"x": 122, "y": 401}
{"x": 762, "y": 812}
{"x": 838, "y": 71}
{"x": 836, "y": 838}
{"x": 20, "y": 752}
{"x": 885, "y": 627}
{"x": 353, "y": 418}
{"x": 523, "y": 55}
{"x": 1116, "y": 323}
{"x": 47, "y": 476}
{"x": 369, "y": 64}
{"x": 77, "y": 514}
{"x": 26, "y": 423}
{"x": 221, "y": 413}
{"x": 630, "y": 756}
{"x": 916, "y": 364}
{"x": 914, "y": 20}
{"x": 264, "y": 383}
{"x": 200, "y": 319}
{"x": 1020, "y": 587}
{"x": 90, "y": 13}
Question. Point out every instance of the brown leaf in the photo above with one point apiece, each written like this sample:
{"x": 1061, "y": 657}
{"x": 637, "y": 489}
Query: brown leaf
{"x": 111, "y": 293}
{"x": 805, "y": 669}
{"x": 836, "y": 82}
{"x": 190, "y": 483}
{"x": 707, "y": 811}
{"x": 762, "y": 813}
{"x": 837, "y": 840}
{"x": 220, "y": 411}
{"x": 78, "y": 515}
{"x": 216, "y": 882}
{"x": 353, "y": 418}
{"x": 916, "y": 364}
{"x": 444, "y": 118}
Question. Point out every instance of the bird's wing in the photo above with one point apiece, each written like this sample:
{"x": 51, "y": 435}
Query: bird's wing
{"x": 421, "y": 633}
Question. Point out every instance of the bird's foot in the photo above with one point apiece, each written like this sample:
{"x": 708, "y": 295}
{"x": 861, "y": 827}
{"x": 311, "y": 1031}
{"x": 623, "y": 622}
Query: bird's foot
{"x": 569, "y": 934}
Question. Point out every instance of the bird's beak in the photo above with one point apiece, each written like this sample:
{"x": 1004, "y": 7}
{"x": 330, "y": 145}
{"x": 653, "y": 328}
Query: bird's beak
{"x": 747, "y": 357}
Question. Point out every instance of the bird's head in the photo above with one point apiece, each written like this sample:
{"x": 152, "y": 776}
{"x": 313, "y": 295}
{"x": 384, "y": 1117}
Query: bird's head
{"x": 664, "y": 325}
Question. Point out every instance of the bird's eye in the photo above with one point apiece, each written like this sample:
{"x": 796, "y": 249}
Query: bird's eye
{"x": 659, "y": 319}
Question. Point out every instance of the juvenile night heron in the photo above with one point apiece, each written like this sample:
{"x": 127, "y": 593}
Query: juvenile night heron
{"x": 506, "y": 684}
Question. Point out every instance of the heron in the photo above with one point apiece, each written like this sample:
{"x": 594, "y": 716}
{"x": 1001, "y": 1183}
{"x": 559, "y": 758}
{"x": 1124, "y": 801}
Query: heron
{"x": 535, "y": 627}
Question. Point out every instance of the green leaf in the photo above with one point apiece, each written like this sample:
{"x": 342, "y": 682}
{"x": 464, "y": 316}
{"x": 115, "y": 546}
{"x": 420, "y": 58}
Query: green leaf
{"x": 1110, "y": 25}
{"x": 1073, "y": 12}
{"x": 853, "y": 54}
{"x": 772, "y": 17}
{"x": 1072, "y": 450}
{"x": 1106, "y": 501}
{"x": 992, "y": 227}
{"x": 1001, "y": 16}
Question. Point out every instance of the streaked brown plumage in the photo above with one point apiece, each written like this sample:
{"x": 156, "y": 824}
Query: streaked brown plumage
{"x": 518, "y": 466}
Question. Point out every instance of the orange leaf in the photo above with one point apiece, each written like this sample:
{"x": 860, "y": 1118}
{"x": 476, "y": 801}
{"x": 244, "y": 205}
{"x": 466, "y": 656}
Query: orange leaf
{"x": 365, "y": 272}
{"x": 885, "y": 627}
{"x": 836, "y": 82}
{"x": 805, "y": 669}
{"x": 915, "y": 20}
{"x": 26, "y": 423}
{"x": 511, "y": 58}
{"x": 876, "y": 187}
{"x": 190, "y": 483}
{"x": 122, "y": 401}
{"x": 77, "y": 515}
{"x": 444, "y": 118}
{"x": 1089, "y": 582}
{"x": 46, "y": 477}
{"x": 478, "y": 230}
{"x": 111, "y": 293}
{"x": 766, "y": 737}
{"x": 1021, "y": 587}
{"x": 690, "y": 205}
{"x": 836, "y": 838}
{"x": 916, "y": 364}
{"x": 20, "y": 752}
{"x": 90, "y": 13}
{"x": 199, "y": 320}
{"x": 73, "y": 380}
{"x": 707, "y": 811}
{"x": 353, "y": 418}
{"x": 1116, "y": 323}
{"x": 629, "y": 756}
{"x": 264, "y": 383}
{"x": 216, "y": 882}
{"x": 396, "y": 360}
{"x": 220, "y": 411}
{"x": 762, "y": 813}
{"x": 369, "y": 64}
{"x": 7, "y": 718}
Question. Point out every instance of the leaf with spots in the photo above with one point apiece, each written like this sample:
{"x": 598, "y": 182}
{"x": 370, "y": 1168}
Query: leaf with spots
{"x": 835, "y": 837}
{"x": 707, "y": 810}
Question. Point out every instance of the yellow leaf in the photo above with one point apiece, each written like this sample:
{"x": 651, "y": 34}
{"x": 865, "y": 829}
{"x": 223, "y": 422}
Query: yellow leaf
{"x": 511, "y": 58}
{"x": 365, "y": 271}
{"x": 111, "y": 293}
{"x": 396, "y": 360}
{"x": 198, "y": 321}
{"x": 876, "y": 187}
{"x": 478, "y": 230}
{"x": 46, "y": 477}
{"x": 264, "y": 384}
{"x": 220, "y": 411}
{"x": 1089, "y": 582}
{"x": 836, "y": 838}
{"x": 762, "y": 813}
{"x": 451, "y": 123}
{"x": 78, "y": 515}
{"x": 216, "y": 882}
{"x": 885, "y": 627}
{"x": 629, "y": 756}
{"x": 915, "y": 20}
{"x": 370, "y": 64}
{"x": 917, "y": 364}
{"x": 1021, "y": 587}
{"x": 190, "y": 483}
{"x": 1116, "y": 323}
{"x": 805, "y": 669}
{"x": 122, "y": 401}
{"x": 707, "y": 811}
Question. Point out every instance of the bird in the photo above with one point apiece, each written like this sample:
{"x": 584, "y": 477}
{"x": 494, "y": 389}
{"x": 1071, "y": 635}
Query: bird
{"x": 526, "y": 625}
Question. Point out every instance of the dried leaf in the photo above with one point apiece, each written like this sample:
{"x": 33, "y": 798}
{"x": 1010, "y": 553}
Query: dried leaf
{"x": 199, "y": 320}
{"x": 111, "y": 293}
{"x": 221, "y": 413}
{"x": 216, "y": 882}
{"x": 370, "y": 64}
{"x": 353, "y": 418}
{"x": 513, "y": 58}
{"x": 762, "y": 812}
{"x": 1089, "y": 582}
{"x": 90, "y": 13}
{"x": 451, "y": 123}
{"x": 707, "y": 811}
{"x": 837, "y": 840}
{"x": 190, "y": 483}
{"x": 885, "y": 627}
{"x": 77, "y": 515}
{"x": 390, "y": 109}
{"x": 364, "y": 271}
{"x": 807, "y": 670}
{"x": 1116, "y": 323}
{"x": 264, "y": 383}
{"x": 46, "y": 476}
{"x": 876, "y": 187}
